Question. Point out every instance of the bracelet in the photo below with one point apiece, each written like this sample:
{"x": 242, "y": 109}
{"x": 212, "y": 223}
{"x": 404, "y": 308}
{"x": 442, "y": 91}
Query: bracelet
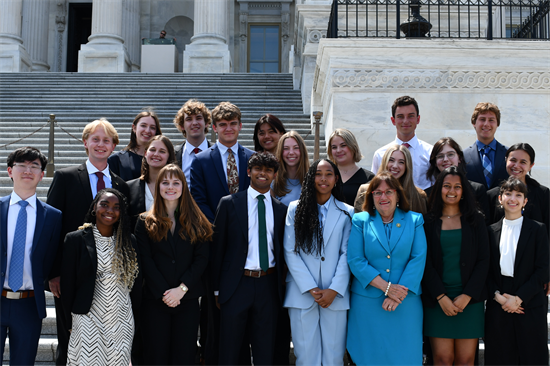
{"x": 440, "y": 297}
{"x": 387, "y": 289}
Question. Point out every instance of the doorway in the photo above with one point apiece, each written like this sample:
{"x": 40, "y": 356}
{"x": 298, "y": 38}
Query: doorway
{"x": 80, "y": 28}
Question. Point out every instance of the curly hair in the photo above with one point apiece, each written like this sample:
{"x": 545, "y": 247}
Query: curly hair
{"x": 263, "y": 158}
{"x": 195, "y": 227}
{"x": 468, "y": 205}
{"x": 485, "y": 107}
{"x": 149, "y": 112}
{"x": 193, "y": 107}
{"x": 171, "y": 156}
{"x": 349, "y": 139}
{"x": 124, "y": 264}
{"x": 226, "y": 111}
{"x": 272, "y": 121}
{"x": 280, "y": 188}
{"x": 307, "y": 228}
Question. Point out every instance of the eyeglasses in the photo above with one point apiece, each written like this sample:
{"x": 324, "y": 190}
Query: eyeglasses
{"x": 163, "y": 34}
{"x": 388, "y": 193}
{"x": 450, "y": 155}
{"x": 34, "y": 168}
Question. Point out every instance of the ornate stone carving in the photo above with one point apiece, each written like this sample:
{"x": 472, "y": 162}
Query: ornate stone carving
{"x": 60, "y": 23}
{"x": 285, "y": 26}
{"x": 315, "y": 35}
{"x": 243, "y": 20}
{"x": 436, "y": 79}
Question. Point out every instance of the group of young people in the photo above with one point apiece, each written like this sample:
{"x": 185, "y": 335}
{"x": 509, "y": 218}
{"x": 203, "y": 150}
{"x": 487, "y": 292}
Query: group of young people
{"x": 143, "y": 247}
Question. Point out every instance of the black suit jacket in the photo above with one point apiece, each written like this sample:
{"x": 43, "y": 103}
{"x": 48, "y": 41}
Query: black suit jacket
{"x": 71, "y": 193}
{"x": 531, "y": 265}
{"x": 136, "y": 200}
{"x": 126, "y": 164}
{"x": 231, "y": 244}
{"x": 79, "y": 273}
{"x": 474, "y": 261}
{"x": 169, "y": 262}
{"x": 179, "y": 148}
{"x": 474, "y": 167}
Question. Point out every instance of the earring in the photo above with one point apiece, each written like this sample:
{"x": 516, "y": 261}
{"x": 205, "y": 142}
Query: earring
{"x": 397, "y": 203}
{"x": 93, "y": 213}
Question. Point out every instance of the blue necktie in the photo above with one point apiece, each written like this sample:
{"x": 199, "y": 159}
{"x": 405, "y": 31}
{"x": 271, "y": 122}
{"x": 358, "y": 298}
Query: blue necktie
{"x": 487, "y": 166}
{"x": 18, "y": 249}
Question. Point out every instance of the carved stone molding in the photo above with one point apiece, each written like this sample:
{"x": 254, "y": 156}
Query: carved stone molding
{"x": 243, "y": 20}
{"x": 60, "y": 22}
{"x": 435, "y": 79}
{"x": 315, "y": 35}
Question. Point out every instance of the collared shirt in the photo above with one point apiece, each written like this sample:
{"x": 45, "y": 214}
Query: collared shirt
{"x": 323, "y": 211}
{"x": 224, "y": 155}
{"x": 508, "y": 245}
{"x": 253, "y": 258}
{"x": 491, "y": 153}
{"x": 149, "y": 199}
{"x": 420, "y": 154}
{"x": 93, "y": 178}
{"x": 13, "y": 213}
{"x": 187, "y": 156}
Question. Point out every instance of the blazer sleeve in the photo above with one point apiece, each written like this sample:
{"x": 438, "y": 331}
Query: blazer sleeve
{"x": 358, "y": 263}
{"x": 193, "y": 274}
{"x": 71, "y": 255}
{"x": 414, "y": 270}
{"x": 432, "y": 284}
{"x": 340, "y": 280}
{"x": 56, "y": 198}
{"x": 475, "y": 285}
{"x": 540, "y": 268}
{"x": 220, "y": 241}
{"x": 114, "y": 163}
{"x": 298, "y": 269}
{"x": 54, "y": 220}
{"x": 198, "y": 188}
{"x": 154, "y": 280}
{"x": 492, "y": 285}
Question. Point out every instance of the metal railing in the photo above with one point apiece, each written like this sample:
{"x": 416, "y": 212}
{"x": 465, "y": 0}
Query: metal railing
{"x": 477, "y": 19}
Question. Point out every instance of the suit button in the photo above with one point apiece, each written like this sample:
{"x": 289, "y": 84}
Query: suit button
{"x": 388, "y": 257}
{"x": 173, "y": 261}
{"x": 387, "y": 270}
{"x": 322, "y": 258}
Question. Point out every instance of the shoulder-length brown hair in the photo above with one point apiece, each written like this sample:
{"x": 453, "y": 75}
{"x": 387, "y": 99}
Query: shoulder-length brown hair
{"x": 133, "y": 138}
{"x": 145, "y": 173}
{"x": 393, "y": 183}
{"x": 280, "y": 188}
{"x": 195, "y": 227}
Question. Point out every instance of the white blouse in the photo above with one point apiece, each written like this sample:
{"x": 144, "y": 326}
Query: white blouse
{"x": 148, "y": 198}
{"x": 508, "y": 244}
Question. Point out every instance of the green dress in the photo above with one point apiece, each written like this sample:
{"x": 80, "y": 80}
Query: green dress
{"x": 465, "y": 325}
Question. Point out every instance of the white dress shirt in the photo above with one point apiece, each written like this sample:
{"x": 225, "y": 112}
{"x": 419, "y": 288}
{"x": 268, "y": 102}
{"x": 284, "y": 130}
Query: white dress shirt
{"x": 253, "y": 258}
{"x": 149, "y": 200}
{"x": 420, "y": 154}
{"x": 508, "y": 245}
{"x": 13, "y": 213}
{"x": 224, "y": 155}
{"x": 187, "y": 156}
{"x": 93, "y": 178}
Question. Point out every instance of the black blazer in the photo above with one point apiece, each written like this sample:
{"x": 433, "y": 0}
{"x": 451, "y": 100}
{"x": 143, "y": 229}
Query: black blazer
{"x": 169, "y": 262}
{"x": 474, "y": 168}
{"x": 71, "y": 193}
{"x": 126, "y": 164}
{"x": 531, "y": 265}
{"x": 231, "y": 244}
{"x": 537, "y": 207}
{"x": 474, "y": 261}
{"x": 136, "y": 200}
{"x": 179, "y": 148}
{"x": 79, "y": 272}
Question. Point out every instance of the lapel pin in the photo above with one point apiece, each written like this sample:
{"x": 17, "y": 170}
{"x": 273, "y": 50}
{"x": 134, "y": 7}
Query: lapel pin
{"x": 398, "y": 225}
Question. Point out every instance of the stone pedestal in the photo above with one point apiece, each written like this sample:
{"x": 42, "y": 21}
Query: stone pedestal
{"x": 208, "y": 51}
{"x": 35, "y": 32}
{"x": 13, "y": 56}
{"x": 159, "y": 58}
{"x": 105, "y": 51}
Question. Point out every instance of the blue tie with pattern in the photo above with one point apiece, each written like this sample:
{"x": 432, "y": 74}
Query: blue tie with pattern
{"x": 18, "y": 249}
{"x": 487, "y": 166}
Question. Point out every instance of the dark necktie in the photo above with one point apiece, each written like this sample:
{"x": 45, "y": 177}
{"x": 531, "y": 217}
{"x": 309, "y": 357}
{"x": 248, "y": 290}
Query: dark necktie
{"x": 18, "y": 249}
{"x": 406, "y": 144}
{"x": 487, "y": 166}
{"x": 262, "y": 231}
{"x": 196, "y": 150}
{"x": 232, "y": 173}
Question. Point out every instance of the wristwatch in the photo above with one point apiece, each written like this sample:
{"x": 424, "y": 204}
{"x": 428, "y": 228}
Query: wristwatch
{"x": 184, "y": 288}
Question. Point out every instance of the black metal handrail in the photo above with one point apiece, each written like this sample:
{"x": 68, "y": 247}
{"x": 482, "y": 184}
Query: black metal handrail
{"x": 476, "y": 19}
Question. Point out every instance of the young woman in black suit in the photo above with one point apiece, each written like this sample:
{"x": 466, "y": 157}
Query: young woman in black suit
{"x": 174, "y": 239}
{"x": 516, "y": 330}
{"x": 158, "y": 154}
{"x": 100, "y": 274}
{"x": 127, "y": 162}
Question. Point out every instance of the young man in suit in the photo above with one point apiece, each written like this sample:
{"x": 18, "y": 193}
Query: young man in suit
{"x": 193, "y": 121}
{"x": 405, "y": 118}
{"x": 248, "y": 265}
{"x": 29, "y": 233}
{"x": 72, "y": 191}
{"x": 485, "y": 158}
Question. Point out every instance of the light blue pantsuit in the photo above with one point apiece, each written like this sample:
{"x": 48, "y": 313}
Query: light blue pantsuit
{"x": 319, "y": 335}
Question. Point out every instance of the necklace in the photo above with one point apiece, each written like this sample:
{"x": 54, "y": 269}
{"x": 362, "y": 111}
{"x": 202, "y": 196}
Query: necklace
{"x": 451, "y": 216}
{"x": 387, "y": 222}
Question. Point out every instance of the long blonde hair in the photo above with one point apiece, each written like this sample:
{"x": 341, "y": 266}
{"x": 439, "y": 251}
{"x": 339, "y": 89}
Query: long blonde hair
{"x": 279, "y": 186}
{"x": 416, "y": 201}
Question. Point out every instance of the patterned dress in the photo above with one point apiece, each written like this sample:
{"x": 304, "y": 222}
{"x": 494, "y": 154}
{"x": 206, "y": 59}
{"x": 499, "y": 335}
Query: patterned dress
{"x": 104, "y": 335}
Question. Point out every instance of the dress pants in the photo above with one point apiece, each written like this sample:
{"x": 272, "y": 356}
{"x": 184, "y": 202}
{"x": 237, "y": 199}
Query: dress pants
{"x": 319, "y": 335}
{"x": 250, "y": 315}
{"x": 21, "y": 321}
{"x": 63, "y": 334}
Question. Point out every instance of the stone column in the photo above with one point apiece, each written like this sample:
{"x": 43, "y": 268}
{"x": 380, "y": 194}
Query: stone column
{"x": 130, "y": 32}
{"x": 105, "y": 51}
{"x": 208, "y": 51}
{"x": 35, "y": 32}
{"x": 243, "y": 37}
{"x": 60, "y": 22}
{"x": 14, "y": 56}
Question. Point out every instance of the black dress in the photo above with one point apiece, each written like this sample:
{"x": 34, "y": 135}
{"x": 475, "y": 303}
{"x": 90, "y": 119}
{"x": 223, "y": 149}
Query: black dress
{"x": 351, "y": 186}
{"x": 126, "y": 164}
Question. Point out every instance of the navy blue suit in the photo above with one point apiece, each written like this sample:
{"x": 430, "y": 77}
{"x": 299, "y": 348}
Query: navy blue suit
{"x": 24, "y": 317}
{"x": 208, "y": 180}
{"x": 474, "y": 167}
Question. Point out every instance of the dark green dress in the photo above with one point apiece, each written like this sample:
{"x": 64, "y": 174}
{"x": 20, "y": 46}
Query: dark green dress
{"x": 465, "y": 325}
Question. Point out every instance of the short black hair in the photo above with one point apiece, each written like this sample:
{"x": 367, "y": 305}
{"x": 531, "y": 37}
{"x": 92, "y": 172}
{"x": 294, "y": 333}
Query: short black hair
{"x": 513, "y": 184}
{"x": 27, "y": 153}
{"x": 263, "y": 159}
{"x": 402, "y": 102}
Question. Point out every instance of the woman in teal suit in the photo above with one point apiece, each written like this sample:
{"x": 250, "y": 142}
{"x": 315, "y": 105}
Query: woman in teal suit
{"x": 386, "y": 255}
{"x": 317, "y": 285}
